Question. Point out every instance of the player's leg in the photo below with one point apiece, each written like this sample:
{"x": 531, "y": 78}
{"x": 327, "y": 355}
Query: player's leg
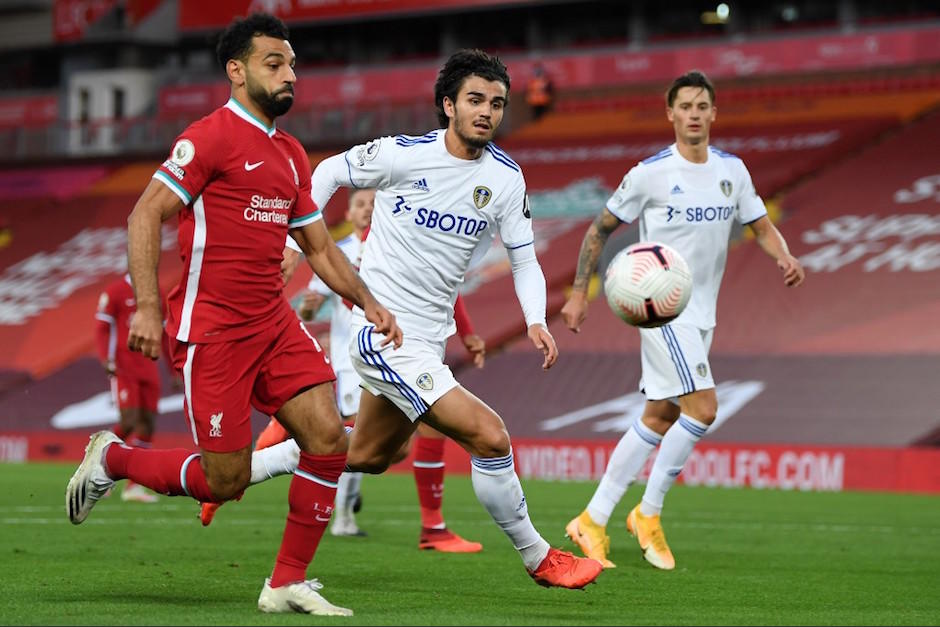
{"x": 428, "y": 468}
{"x": 415, "y": 380}
{"x": 589, "y": 529}
{"x": 471, "y": 423}
{"x": 685, "y": 374}
{"x": 381, "y": 430}
{"x": 271, "y": 435}
{"x": 221, "y": 470}
{"x": 141, "y": 437}
{"x": 295, "y": 384}
{"x": 348, "y": 491}
{"x": 125, "y": 424}
{"x": 145, "y": 399}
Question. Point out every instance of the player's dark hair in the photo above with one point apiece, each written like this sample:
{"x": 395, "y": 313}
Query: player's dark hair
{"x": 694, "y": 78}
{"x": 235, "y": 42}
{"x": 459, "y": 66}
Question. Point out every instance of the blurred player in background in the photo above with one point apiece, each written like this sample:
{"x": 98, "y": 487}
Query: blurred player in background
{"x": 134, "y": 379}
{"x": 667, "y": 192}
{"x": 239, "y": 185}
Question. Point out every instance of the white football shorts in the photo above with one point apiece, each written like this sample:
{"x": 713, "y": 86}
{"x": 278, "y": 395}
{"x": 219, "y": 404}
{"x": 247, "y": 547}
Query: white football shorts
{"x": 413, "y": 377}
{"x": 675, "y": 361}
{"x": 347, "y": 392}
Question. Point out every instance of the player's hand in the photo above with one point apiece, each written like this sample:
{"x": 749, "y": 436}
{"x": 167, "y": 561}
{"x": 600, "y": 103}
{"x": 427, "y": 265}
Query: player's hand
{"x": 793, "y": 273}
{"x": 575, "y": 311}
{"x": 476, "y": 346}
{"x": 544, "y": 341}
{"x": 310, "y": 305}
{"x": 289, "y": 260}
{"x": 146, "y": 332}
{"x": 384, "y": 322}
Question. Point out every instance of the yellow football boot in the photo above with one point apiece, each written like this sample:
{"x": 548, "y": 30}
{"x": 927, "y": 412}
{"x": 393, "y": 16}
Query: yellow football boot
{"x": 591, "y": 538}
{"x": 648, "y": 531}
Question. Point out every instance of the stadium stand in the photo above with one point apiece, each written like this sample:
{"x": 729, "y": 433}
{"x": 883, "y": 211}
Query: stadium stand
{"x": 848, "y": 106}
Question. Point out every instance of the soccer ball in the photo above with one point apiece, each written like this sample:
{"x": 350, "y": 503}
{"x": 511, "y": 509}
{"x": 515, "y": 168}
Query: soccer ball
{"x": 648, "y": 284}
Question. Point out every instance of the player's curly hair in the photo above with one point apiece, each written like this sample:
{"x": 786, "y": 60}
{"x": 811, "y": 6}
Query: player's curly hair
{"x": 235, "y": 42}
{"x": 692, "y": 78}
{"x": 458, "y": 67}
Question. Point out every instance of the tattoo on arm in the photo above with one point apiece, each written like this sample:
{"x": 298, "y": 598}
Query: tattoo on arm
{"x": 594, "y": 240}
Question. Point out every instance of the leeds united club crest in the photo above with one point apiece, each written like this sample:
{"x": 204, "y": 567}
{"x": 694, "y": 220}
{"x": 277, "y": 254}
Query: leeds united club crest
{"x": 725, "y": 186}
{"x": 481, "y": 196}
{"x": 425, "y": 382}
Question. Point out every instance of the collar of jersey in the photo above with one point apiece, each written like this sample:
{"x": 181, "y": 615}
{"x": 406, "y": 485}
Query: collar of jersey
{"x": 235, "y": 107}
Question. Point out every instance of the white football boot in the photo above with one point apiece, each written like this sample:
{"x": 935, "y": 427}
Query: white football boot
{"x": 90, "y": 482}
{"x": 302, "y": 597}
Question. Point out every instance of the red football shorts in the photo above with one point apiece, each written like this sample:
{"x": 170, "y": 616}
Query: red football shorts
{"x": 130, "y": 393}
{"x": 223, "y": 380}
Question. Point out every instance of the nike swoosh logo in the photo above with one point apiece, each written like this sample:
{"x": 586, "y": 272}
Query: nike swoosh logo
{"x": 251, "y": 166}
{"x": 321, "y": 518}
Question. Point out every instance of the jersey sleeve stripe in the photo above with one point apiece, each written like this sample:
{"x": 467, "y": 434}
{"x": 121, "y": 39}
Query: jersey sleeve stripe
{"x": 175, "y": 187}
{"x": 520, "y": 245}
{"x": 414, "y": 142}
{"x": 662, "y": 154}
{"x": 105, "y": 318}
{"x": 502, "y": 153}
{"x": 506, "y": 161}
{"x": 310, "y": 218}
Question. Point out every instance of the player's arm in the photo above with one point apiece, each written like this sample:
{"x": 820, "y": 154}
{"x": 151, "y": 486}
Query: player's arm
{"x": 332, "y": 266}
{"x": 575, "y": 310}
{"x": 157, "y": 204}
{"x": 529, "y": 281}
{"x": 773, "y": 243}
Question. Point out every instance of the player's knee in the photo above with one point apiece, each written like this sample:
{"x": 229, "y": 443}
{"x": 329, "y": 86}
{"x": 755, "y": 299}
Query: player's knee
{"x": 373, "y": 464}
{"x": 324, "y": 439}
{"x": 705, "y": 412}
{"x": 402, "y": 452}
{"x": 707, "y": 415}
{"x": 492, "y": 441}
{"x": 228, "y": 484}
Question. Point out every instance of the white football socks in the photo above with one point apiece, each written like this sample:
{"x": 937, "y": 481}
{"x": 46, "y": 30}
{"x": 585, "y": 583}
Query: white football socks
{"x": 675, "y": 449}
{"x": 274, "y": 461}
{"x": 624, "y": 465}
{"x": 347, "y": 489}
{"x": 498, "y": 489}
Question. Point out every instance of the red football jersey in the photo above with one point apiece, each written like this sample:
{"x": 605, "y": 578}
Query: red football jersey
{"x": 116, "y": 307}
{"x": 244, "y": 184}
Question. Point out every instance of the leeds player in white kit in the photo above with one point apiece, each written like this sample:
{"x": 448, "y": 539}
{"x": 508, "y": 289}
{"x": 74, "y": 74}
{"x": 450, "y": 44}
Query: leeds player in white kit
{"x": 686, "y": 196}
{"x": 441, "y": 198}
{"x": 428, "y": 464}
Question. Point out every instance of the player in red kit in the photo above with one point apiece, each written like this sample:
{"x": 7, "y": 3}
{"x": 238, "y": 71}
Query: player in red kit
{"x": 239, "y": 185}
{"x": 135, "y": 379}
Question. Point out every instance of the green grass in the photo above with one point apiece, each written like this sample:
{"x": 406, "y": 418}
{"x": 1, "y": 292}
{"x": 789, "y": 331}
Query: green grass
{"x": 745, "y": 557}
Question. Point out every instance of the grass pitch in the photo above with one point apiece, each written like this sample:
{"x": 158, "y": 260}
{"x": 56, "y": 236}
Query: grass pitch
{"x": 744, "y": 557}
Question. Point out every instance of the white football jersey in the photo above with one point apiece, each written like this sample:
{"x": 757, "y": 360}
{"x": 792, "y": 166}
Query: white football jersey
{"x": 341, "y": 316}
{"x": 433, "y": 212}
{"x": 690, "y": 206}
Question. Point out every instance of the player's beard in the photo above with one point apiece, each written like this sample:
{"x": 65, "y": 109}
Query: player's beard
{"x": 269, "y": 102}
{"x": 470, "y": 140}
